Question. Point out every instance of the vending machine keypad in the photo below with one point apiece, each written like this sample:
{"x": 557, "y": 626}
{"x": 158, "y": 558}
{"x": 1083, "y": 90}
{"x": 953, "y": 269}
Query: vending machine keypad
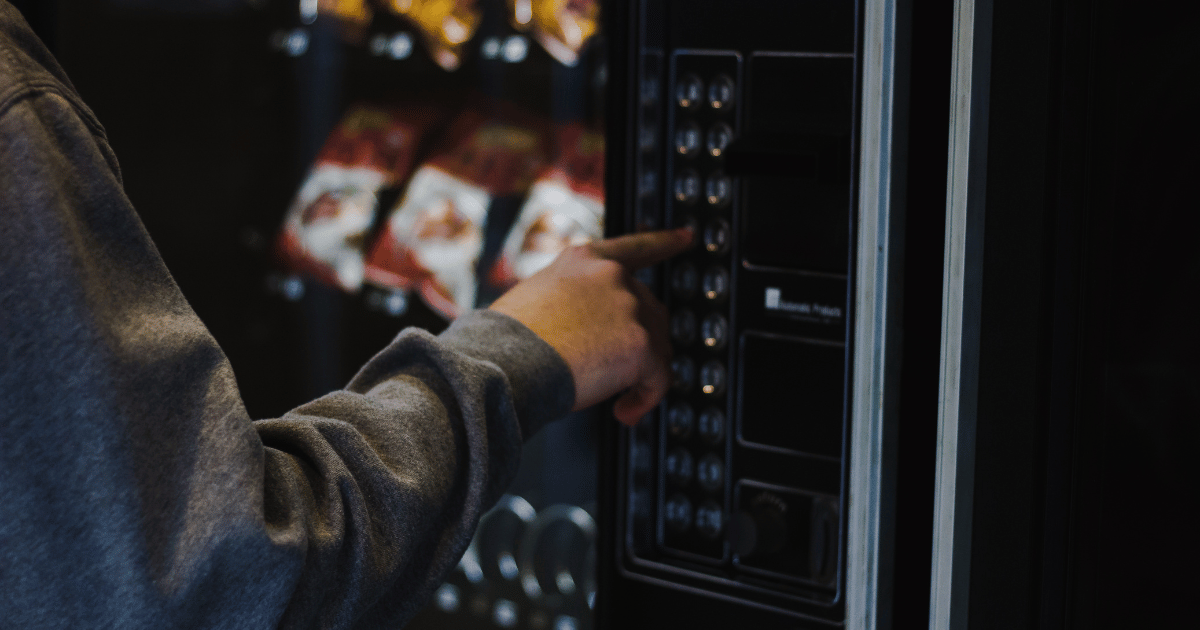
{"x": 735, "y": 484}
{"x": 694, "y": 491}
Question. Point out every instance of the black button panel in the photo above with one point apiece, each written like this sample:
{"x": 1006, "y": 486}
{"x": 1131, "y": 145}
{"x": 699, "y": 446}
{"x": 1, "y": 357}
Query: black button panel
{"x": 702, "y": 122}
{"x": 736, "y": 484}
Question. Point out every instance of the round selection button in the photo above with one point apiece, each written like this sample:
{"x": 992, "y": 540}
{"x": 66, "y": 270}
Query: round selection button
{"x": 715, "y": 283}
{"x": 684, "y": 279}
{"x": 710, "y": 473}
{"x": 717, "y": 139}
{"x": 717, "y": 236}
{"x": 718, "y": 189}
{"x": 710, "y": 519}
{"x": 711, "y": 425}
{"x": 647, "y": 138}
{"x": 683, "y": 327}
{"x": 721, "y": 92}
{"x": 677, "y": 513}
{"x": 649, "y": 91}
{"x": 714, "y": 330}
{"x": 687, "y": 187}
{"x": 689, "y": 91}
{"x": 687, "y": 139}
{"x": 712, "y": 378}
{"x": 680, "y": 419}
{"x": 683, "y": 373}
{"x": 648, "y": 184}
{"x": 678, "y": 465}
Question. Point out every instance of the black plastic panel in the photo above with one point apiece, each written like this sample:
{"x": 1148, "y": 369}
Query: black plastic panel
{"x": 744, "y": 127}
{"x": 808, "y": 419}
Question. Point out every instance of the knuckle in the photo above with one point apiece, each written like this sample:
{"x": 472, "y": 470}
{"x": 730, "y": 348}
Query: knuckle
{"x": 640, "y": 340}
{"x": 624, "y": 307}
{"x": 609, "y": 270}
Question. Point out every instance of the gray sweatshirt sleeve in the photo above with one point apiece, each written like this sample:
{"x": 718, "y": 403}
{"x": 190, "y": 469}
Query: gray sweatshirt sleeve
{"x": 135, "y": 492}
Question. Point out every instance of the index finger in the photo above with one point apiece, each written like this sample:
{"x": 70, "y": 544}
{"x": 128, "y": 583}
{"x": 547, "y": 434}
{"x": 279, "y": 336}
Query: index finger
{"x": 645, "y": 248}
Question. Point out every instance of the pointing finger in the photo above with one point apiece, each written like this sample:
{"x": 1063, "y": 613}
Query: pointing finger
{"x": 646, "y": 248}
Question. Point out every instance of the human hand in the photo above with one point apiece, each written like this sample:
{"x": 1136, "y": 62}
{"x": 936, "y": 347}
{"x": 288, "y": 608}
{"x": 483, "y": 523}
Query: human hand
{"x": 608, "y": 327}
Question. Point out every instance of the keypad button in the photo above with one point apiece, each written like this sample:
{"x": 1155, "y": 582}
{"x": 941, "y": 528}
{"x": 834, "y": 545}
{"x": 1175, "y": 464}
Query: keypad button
{"x": 689, "y": 91}
{"x": 649, "y": 91}
{"x": 714, "y": 330}
{"x": 684, "y": 279}
{"x": 719, "y": 137}
{"x": 678, "y": 465}
{"x": 683, "y": 372}
{"x": 710, "y": 473}
{"x": 647, "y": 138}
{"x": 711, "y": 425}
{"x": 687, "y": 187}
{"x": 648, "y": 184}
{"x": 721, "y": 92}
{"x": 712, "y": 378}
{"x": 687, "y": 139}
{"x": 677, "y": 513}
{"x": 640, "y": 454}
{"x": 717, "y": 236}
{"x": 683, "y": 327}
{"x": 680, "y": 419}
{"x": 715, "y": 284}
{"x": 710, "y": 519}
{"x": 718, "y": 189}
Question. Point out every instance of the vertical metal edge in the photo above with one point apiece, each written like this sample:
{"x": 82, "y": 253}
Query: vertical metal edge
{"x": 961, "y": 306}
{"x": 868, "y": 524}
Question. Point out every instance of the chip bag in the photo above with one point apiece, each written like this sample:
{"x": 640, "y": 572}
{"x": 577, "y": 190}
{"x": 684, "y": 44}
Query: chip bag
{"x": 433, "y": 239}
{"x": 562, "y": 27}
{"x": 445, "y": 25}
{"x": 325, "y": 229}
{"x": 565, "y": 207}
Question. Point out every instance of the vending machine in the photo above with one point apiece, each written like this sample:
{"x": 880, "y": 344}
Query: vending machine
{"x": 761, "y": 489}
{"x": 384, "y": 164}
{"x": 934, "y": 360}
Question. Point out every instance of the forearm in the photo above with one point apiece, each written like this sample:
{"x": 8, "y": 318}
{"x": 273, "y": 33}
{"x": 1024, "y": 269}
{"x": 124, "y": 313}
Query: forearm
{"x": 137, "y": 491}
{"x": 420, "y": 443}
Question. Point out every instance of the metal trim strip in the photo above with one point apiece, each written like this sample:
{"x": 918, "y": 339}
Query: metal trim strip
{"x": 961, "y": 306}
{"x": 867, "y": 523}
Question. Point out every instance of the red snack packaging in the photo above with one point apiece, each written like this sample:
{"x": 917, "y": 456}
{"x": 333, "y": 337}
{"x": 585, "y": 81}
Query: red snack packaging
{"x": 565, "y": 207}
{"x": 324, "y": 232}
{"x": 433, "y": 238}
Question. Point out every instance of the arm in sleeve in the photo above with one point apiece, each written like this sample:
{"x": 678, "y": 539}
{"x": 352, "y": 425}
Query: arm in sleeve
{"x": 136, "y": 490}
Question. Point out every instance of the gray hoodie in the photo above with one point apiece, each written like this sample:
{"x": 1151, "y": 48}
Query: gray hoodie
{"x": 135, "y": 492}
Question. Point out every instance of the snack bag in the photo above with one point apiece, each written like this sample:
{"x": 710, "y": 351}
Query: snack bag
{"x": 562, "y": 27}
{"x": 325, "y": 228}
{"x": 432, "y": 240}
{"x": 565, "y": 207}
{"x": 445, "y": 25}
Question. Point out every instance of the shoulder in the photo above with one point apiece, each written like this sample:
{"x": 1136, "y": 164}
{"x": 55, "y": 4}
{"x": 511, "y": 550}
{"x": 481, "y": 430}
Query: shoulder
{"x": 29, "y": 71}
